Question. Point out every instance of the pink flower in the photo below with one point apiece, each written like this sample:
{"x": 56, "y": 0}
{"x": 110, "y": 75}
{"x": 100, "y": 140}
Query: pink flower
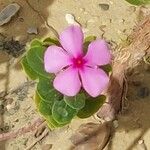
{"x": 73, "y": 69}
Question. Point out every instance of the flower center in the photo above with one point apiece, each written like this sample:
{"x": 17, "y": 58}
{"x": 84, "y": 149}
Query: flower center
{"x": 78, "y": 62}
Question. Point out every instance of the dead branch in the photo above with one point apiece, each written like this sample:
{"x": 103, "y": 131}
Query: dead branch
{"x": 129, "y": 57}
{"x": 21, "y": 131}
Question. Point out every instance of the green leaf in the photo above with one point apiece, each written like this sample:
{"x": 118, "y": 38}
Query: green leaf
{"x": 37, "y": 99}
{"x": 75, "y": 102}
{"x": 107, "y": 68}
{"x": 52, "y": 123}
{"x": 35, "y": 57}
{"x": 28, "y": 70}
{"x": 47, "y": 92}
{"x": 45, "y": 108}
{"x": 62, "y": 113}
{"x": 87, "y": 41}
{"x": 36, "y": 43}
{"x": 50, "y": 41}
{"x": 138, "y": 2}
{"x": 92, "y": 105}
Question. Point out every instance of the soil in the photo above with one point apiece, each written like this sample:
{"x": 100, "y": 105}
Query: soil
{"x": 114, "y": 22}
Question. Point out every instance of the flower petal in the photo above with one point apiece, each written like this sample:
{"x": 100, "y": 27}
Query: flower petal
{"x": 94, "y": 80}
{"x": 71, "y": 40}
{"x": 67, "y": 82}
{"x": 98, "y": 53}
{"x": 55, "y": 58}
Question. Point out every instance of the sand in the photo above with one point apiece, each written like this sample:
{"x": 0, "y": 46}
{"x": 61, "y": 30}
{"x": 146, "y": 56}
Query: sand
{"x": 115, "y": 24}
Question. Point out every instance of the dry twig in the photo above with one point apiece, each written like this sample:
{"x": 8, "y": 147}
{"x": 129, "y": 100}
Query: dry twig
{"x": 23, "y": 130}
{"x": 45, "y": 133}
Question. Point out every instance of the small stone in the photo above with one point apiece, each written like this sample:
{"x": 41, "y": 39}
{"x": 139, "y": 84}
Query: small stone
{"x": 140, "y": 141}
{"x": 8, "y": 12}
{"x": 32, "y": 30}
{"x": 115, "y": 123}
{"x": 13, "y": 107}
{"x": 91, "y": 21}
{"x": 71, "y": 19}
{"x": 143, "y": 92}
{"x": 47, "y": 147}
{"x": 104, "y": 6}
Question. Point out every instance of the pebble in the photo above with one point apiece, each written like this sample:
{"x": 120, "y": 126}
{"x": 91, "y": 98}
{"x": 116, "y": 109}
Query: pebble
{"x": 115, "y": 124}
{"x": 13, "y": 107}
{"x": 71, "y": 19}
{"x": 140, "y": 141}
{"x": 104, "y": 6}
{"x": 143, "y": 92}
{"x": 142, "y": 145}
{"x": 32, "y": 30}
{"x": 91, "y": 21}
{"x": 8, "y": 12}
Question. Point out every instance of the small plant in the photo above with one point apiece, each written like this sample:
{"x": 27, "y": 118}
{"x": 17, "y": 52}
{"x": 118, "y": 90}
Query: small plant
{"x": 138, "y": 2}
{"x": 71, "y": 74}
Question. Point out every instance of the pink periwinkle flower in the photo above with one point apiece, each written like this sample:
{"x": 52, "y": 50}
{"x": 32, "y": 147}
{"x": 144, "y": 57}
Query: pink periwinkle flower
{"x": 73, "y": 68}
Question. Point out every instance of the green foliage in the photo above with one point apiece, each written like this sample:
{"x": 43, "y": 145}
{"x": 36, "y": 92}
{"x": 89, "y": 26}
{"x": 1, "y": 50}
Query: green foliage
{"x": 92, "y": 105}
{"x": 76, "y": 102}
{"x": 50, "y": 41}
{"x": 138, "y": 2}
{"x": 35, "y": 60}
{"x": 57, "y": 109}
{"x": 62, "y": 113}
{"x": 87, "y": 41}
{"x": 28, "y": 70}
{"x": 52, "y": 123}
{"x": 107, "y": 68}
{"x": 46, "y": 90}
{"x": 36, "y": 43}
{"x": 45, "y": 108}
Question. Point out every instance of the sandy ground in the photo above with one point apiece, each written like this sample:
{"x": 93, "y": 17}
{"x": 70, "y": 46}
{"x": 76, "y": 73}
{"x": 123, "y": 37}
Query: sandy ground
{"x": 114, "y": 24}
